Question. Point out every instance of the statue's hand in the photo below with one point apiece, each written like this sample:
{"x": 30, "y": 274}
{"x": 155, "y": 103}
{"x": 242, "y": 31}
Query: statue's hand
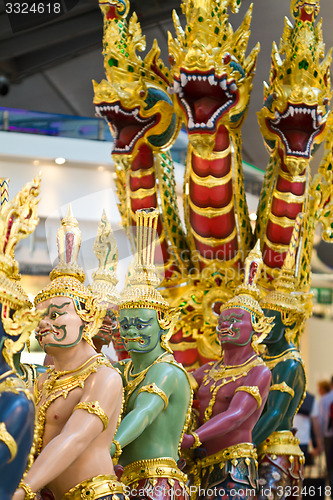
{"x": 19, "y": 494}
{"x": 188, "y": 441}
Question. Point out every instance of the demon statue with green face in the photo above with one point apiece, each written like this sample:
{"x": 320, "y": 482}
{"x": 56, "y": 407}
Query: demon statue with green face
{"x": 280, "y": 457}
{"x": 157, "y": 400}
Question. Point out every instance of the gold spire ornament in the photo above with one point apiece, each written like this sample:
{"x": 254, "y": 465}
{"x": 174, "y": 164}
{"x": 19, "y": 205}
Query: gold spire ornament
{"x": 247, "y": 296}
{"x": 284, "y": 298}
{"x": 67, "y": 278}
{"x": 141, "y": 292}
{"x": 18, "y": 219}
{"x": 106, "y": 251}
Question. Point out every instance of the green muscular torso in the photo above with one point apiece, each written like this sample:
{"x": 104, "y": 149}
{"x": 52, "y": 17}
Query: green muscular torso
{"x": 156, "y": 407}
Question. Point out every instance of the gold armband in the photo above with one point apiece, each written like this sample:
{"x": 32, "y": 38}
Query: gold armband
{"x": 283, "y": 387}
{"x": 197, "y": 441}
{"x": 253, "y": 390}
{"x": 118, "y": 449}
{"x": 153, "y": 389}
{"x": 9, "y": 441}
{"x": 95, "y": 409}
{"x": 29, "y": 494}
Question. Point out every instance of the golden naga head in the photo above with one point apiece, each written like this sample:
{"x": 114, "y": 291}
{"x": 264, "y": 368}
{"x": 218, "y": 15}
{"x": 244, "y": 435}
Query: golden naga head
{"x": 141, "y": 291}
{"x": 18, "y": 219}
{"x": 133, "y": 99}
{"x": 305, "y": 10}
{"x": 67, "y": 278}
{"x": 212, "y": 77}
{"x": 296, "y": 100}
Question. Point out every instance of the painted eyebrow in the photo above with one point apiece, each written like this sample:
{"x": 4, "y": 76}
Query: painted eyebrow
{"x": 54, "y": 306}
{"x": 145, "y": 321}
{"x": 234, "y": 315}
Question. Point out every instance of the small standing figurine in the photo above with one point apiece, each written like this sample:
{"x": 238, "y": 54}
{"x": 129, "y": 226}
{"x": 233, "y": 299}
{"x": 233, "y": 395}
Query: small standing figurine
{"x": 18, "y": 218}
{"x": 280, "y": 457}
{"x": 158, "y": 395}
{"x": 104, "y": 288}
{"x": 232, "y": 393}
{"x": 78, "y": 400}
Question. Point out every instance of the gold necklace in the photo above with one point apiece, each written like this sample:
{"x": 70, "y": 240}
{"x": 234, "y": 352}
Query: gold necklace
{"x": 138, "y": 377}
{"x": 291, "y": 353}
{"x": 218, "y": 371}
{"x": 52, "y": 379}
{"x": 62, "y": 388}
{"x": 232, "y": 373}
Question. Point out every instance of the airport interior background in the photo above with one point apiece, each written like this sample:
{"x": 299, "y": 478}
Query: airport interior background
{"x": 48, "y": 124}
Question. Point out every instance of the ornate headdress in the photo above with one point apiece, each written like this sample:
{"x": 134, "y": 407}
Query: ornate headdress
{"x": 67, "y": 277}
{"x": 18, "y": 219}
{"x": 141, "y": 292}
{"x": 284, "y": 298}
{"x": 247, "y": 295}
{"x": 105, "y": 278}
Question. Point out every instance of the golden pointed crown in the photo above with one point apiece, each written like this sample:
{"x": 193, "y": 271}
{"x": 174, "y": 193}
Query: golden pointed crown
{"x": 247, "y": 295}
{"x": 284, "y": 297}
{"x": 105, "y": 278}
{"x": 18, "y": 219}
{"x": 141, "y": 291}
{"x": 305, "y": 65}
{"x": 141, "y": 284}
{"x": 209, "y": 36}
{"x": 67, "y": 277}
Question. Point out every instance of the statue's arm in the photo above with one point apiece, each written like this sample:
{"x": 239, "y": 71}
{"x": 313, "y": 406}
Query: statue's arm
{"x": 81, "y": 429}
{"x": 284, "y": 383}
{"x": 152, "y": 399}
{"x": 242, "y": 405}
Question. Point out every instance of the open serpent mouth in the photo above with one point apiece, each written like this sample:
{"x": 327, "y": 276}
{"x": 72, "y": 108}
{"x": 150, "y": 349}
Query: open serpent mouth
{"x": 204, "y": 97}
{"x": 297, "y": 128}
{"x": 127, "y": 125}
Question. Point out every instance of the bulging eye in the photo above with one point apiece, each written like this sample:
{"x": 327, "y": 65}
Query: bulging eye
{"x": 54, "y": 315}
{"x": 140, "y": 327}
{"x": 124, "y": 327}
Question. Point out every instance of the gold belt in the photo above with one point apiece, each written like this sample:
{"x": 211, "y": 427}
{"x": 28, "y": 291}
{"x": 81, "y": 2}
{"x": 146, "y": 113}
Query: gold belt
{"x": 242, "y": 450}
{"x": 152, "y": 468}
{"x": 280, "y": 443}
{"x": 96, "y": 487}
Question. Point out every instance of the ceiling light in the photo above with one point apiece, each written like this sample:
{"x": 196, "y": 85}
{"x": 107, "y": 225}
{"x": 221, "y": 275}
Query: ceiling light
{"x": 60, "y": 161}
{"x": 101, "y": 168}
{"x": 36, "y": 162}
{"x": 253, "y": 216}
